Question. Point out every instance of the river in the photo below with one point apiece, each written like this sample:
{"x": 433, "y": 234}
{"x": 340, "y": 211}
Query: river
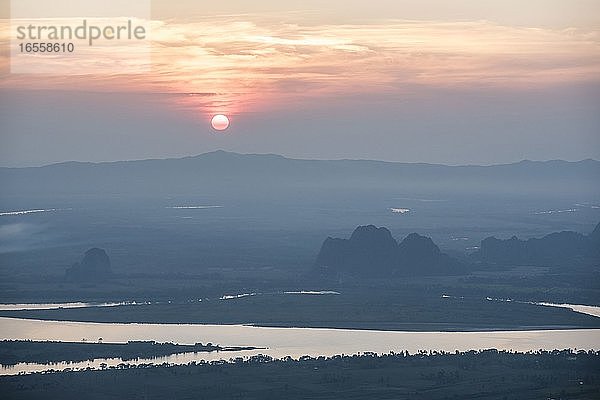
{"x": 279, "y": 342}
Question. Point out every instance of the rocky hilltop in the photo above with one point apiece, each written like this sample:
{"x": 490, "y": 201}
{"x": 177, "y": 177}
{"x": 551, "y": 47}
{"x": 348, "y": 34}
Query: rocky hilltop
{"x": 94, "y": 267}
{"x": 373, "y": 252}
{"x": 566, "y": 248}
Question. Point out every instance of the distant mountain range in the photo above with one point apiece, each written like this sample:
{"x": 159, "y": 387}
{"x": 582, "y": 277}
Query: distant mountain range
{"x": 224, "y": 173}
{"x": 373, "y": 252}
{"x": 563, "y": 249}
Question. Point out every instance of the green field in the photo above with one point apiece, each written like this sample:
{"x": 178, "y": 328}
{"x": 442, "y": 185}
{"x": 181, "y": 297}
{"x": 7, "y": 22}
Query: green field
{"x": 361, "y": 309}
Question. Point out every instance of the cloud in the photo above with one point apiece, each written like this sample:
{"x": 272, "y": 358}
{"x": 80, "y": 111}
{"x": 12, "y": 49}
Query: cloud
{"x": 20, "y": 236}
{"x": 247, "y": 62}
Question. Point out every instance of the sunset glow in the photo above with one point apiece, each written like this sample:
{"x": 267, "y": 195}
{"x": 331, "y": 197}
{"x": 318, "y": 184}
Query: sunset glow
{"x": 300, "y": 199}
{"x": 328, "y": 72}
{"x": 255, "y": 62}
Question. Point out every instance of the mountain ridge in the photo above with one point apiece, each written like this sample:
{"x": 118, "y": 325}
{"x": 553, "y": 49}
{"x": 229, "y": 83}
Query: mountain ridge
{"x": 281, "y": 157}
{"x": 553, "y": 249}
{"x": 225, "y": 174}
{"x": 372, "y": 252}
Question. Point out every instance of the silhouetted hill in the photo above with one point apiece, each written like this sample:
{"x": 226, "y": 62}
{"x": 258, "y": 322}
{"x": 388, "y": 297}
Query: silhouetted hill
{"x": 94, "y": 267}
{"x": 565, "y": 248}
{"x": 369, "y": 250}
{"x": 373, "y": 252}
{"x": 223, "y": 173}
{"x": 419, "y": 255}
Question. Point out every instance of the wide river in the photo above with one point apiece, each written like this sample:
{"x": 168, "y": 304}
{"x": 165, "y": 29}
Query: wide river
{"x": 279, "y": 342}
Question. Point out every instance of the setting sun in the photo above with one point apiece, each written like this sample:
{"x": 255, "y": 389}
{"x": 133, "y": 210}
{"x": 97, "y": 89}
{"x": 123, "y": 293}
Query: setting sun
{"x": 219, "y": 122}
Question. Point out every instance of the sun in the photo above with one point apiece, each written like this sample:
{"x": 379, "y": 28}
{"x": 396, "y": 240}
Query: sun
{"x": 219, "y": 122}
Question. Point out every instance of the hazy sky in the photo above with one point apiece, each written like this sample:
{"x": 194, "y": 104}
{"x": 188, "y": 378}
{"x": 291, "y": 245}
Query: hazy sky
{"x": 422, "y": 81}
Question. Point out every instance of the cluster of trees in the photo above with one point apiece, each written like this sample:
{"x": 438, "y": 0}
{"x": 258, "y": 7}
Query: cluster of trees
{"x": 433, "y": 375}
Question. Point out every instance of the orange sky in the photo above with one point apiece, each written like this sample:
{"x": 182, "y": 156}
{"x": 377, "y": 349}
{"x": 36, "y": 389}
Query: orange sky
{"x": 249, "y": 62}
{"x": 430, "y": 80}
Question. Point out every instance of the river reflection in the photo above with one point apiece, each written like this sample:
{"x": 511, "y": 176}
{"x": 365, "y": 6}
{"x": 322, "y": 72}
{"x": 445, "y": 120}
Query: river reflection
{"x": 54, "y": 306}
{"x": 280, "y": 342}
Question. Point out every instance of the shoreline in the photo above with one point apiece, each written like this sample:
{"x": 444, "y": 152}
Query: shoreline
{"x": 423, "y": 327}
{"x": 392, "y": 375}
{"x": 14, "y": 352}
